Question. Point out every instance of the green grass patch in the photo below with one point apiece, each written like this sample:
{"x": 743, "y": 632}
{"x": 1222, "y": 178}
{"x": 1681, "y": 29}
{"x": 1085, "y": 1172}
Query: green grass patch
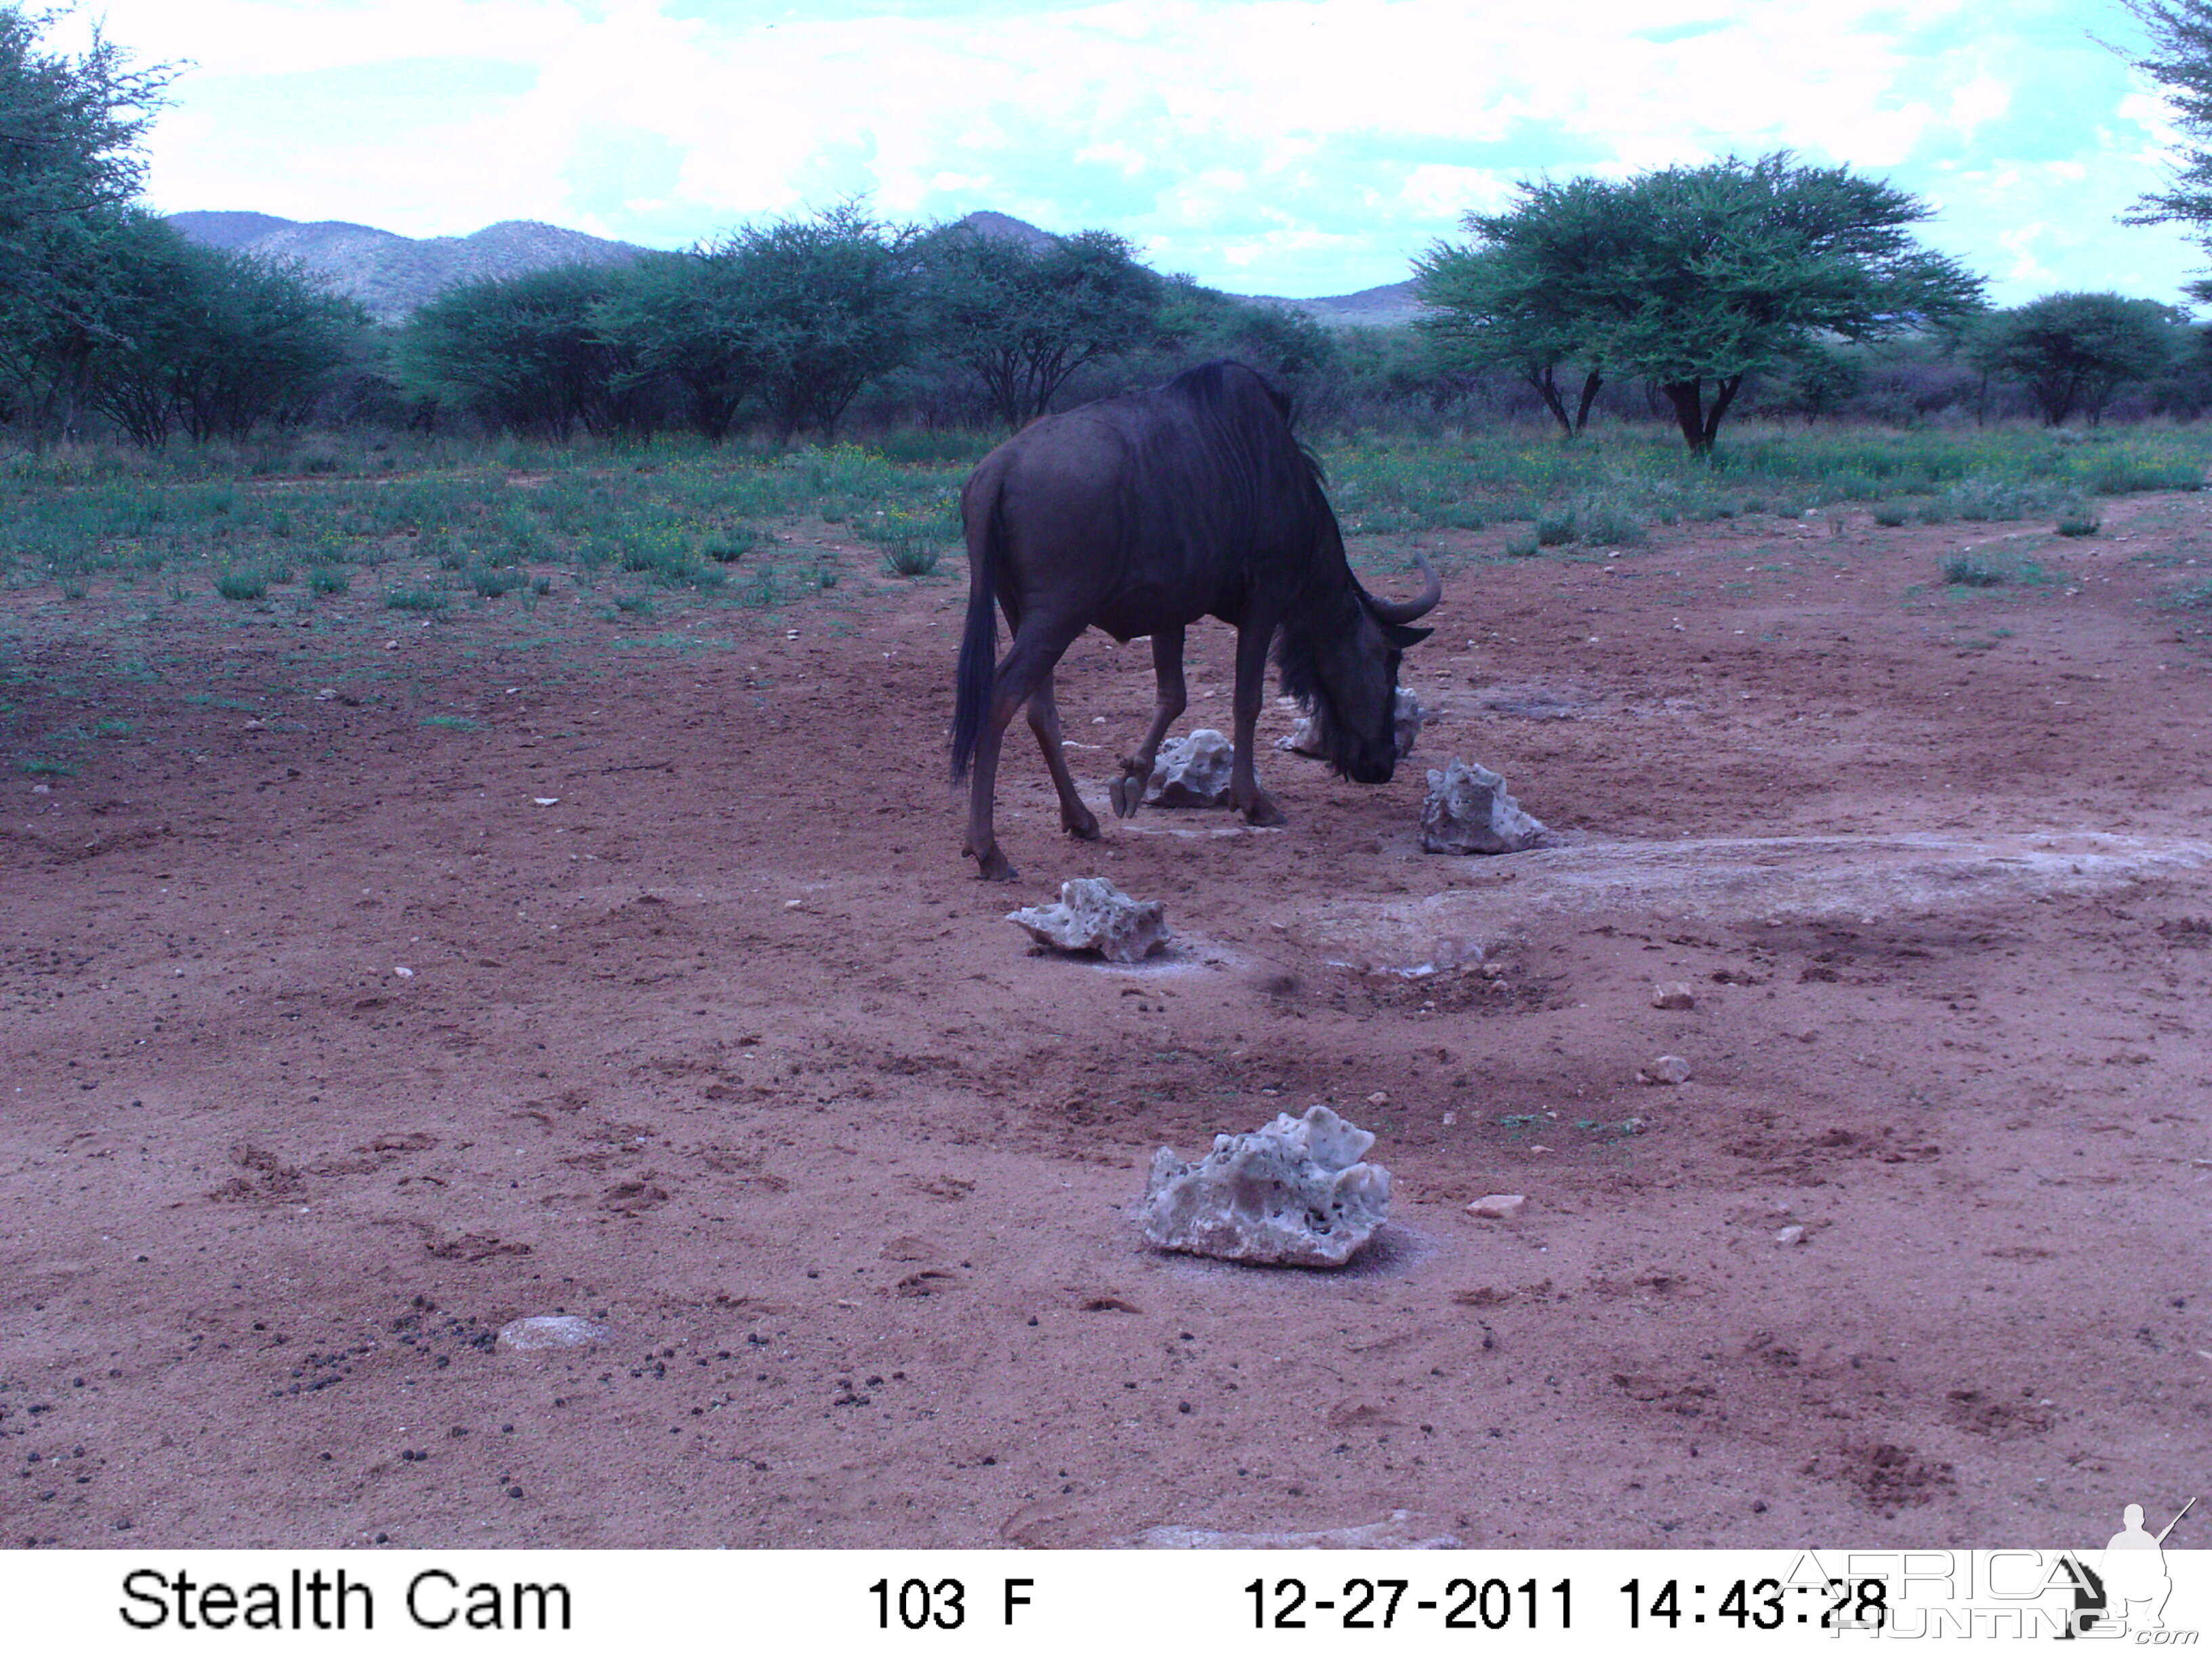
{"x": 39, "y": 766}
{"x": 242, "y": 584}
{"x": 325, "y": 580}
{"x": 453, "y": 722}
{"x": 419, "y": 600}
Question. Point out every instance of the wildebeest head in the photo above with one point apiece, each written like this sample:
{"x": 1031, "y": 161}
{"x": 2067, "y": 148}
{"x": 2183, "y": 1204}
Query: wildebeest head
{"x": 1341, "y": 661}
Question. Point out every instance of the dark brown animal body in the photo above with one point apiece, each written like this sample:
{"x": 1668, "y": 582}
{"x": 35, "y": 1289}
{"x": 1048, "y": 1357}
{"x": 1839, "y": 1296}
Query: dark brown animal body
{"x": 1139, "y": 515}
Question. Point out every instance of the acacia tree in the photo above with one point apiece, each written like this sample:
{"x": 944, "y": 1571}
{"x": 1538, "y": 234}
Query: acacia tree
{"x": 527, "y": 353}
{"x": 682, "y": 317}
{"x": 1022, "y": 321}
{"x": 817, "y": 307}
{"x": 2075, "y": 350}
{"x": 70, "y": 166}
{"x": 2180, "y": 60}
{"x": 1694, "y": 277}
{"x": 1519, "y": 298}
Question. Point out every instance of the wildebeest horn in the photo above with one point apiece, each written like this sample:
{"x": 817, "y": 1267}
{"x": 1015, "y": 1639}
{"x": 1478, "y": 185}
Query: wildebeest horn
{"x": 1405, "y": 610}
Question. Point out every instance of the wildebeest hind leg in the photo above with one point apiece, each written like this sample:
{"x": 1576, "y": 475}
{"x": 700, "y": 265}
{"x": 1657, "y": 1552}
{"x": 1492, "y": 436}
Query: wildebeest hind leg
{"x": 1170, "y": 699}
{"x": 1075, "y": 817}
{"x": 1027, "y": 667}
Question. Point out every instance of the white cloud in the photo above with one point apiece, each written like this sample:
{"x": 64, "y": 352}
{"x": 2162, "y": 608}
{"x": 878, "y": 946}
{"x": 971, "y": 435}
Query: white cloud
{"x": 1331, "y": 135}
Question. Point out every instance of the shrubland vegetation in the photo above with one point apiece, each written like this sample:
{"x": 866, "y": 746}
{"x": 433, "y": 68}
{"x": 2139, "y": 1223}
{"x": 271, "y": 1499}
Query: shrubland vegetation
{"x": 667, "y": 415}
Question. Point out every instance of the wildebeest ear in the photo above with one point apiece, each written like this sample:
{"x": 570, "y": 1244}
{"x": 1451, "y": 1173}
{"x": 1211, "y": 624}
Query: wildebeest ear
{"x": 1401, "y": 637}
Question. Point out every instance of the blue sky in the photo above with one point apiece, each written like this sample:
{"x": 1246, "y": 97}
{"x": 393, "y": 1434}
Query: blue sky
{"x": 1291, "y": 147}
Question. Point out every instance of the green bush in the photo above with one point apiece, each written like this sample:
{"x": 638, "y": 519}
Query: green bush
{"x": 1522, "y": 544}
{"x": 727, "y": 547}
{"x": 911, "y": 555}
{"x": 242, "y": 584}
{"x": 1601, "y": 521}
{"x": 326, "y": 581}
{"x": 414, "y": 598}
{"x": 2078, "y": 522}
{"x": 1556, "y": 528}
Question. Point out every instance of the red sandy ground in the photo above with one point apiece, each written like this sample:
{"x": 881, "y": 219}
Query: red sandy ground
{"x": 729, "y": 1050}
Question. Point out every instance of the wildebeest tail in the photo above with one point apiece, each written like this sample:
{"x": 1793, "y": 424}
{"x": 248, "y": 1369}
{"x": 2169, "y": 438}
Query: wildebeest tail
{"x": 978, "y": 639}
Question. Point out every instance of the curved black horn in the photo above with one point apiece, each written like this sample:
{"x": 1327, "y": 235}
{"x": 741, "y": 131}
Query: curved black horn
{"x": 1406, "y": 611}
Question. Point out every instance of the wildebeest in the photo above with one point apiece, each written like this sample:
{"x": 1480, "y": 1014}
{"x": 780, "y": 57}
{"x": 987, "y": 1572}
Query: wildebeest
{"x": 1140, "y": 514}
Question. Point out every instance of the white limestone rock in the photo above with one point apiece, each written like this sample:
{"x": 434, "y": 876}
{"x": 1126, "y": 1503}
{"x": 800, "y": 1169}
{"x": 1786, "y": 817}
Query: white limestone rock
{"x": 1293, "y": 1193}
{"x": 1406, "y": 718}
{"x": 1192, "y": 771}
{"x": 1094, "y": 915}
{"x": 1467, "y": 810}
{"x": 550, "y": 1331}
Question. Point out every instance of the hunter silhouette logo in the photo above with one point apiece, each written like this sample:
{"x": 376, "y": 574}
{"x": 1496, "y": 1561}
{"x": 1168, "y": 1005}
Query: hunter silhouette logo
{"x": 2127, "y": 1589}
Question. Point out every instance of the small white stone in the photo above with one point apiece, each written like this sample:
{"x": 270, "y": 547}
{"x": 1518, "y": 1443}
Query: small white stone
{"x": 1791, "y": 1236}
{"x": 1667, "y": 1068}
{"x": 547, "y": 800}
{"x": 1498, "y": 1206}
{"x": 1378, "y": 1099}
{"x": 1673, "y": 993}
{"x": 550, "y": 1331}
{"x": 404, "y": 973}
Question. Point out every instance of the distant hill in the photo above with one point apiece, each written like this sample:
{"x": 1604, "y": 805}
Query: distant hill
{"x": 1371, "y": 308}
{"x": 392, "y": 275}
{"x": 1004, "y": 228}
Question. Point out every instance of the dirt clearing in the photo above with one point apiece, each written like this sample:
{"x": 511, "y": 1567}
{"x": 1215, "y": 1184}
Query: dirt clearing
{"x": 647, "y": 985}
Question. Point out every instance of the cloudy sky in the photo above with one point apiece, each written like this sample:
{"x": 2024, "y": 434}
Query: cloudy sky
{"x": 1294, "y": 147}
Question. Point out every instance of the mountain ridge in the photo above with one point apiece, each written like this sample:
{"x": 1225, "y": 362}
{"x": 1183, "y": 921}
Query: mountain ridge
{"x": 394, "y": 275}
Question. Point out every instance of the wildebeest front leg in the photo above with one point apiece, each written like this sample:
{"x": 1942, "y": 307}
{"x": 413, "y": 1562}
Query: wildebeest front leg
{"x": 1075, "y": 817}
{"x": 1170, "y": 699}
{"x": 1244, "y": 791}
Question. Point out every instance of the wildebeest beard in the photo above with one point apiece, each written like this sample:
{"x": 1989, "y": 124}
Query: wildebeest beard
{"x": 1298, "y": 665}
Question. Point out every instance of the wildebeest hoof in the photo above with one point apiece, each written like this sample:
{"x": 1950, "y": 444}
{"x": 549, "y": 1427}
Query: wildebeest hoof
{"x": 1128, "y": 793}
{"x": 1084, "y": 827}
{"x": 993, "y": 866}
